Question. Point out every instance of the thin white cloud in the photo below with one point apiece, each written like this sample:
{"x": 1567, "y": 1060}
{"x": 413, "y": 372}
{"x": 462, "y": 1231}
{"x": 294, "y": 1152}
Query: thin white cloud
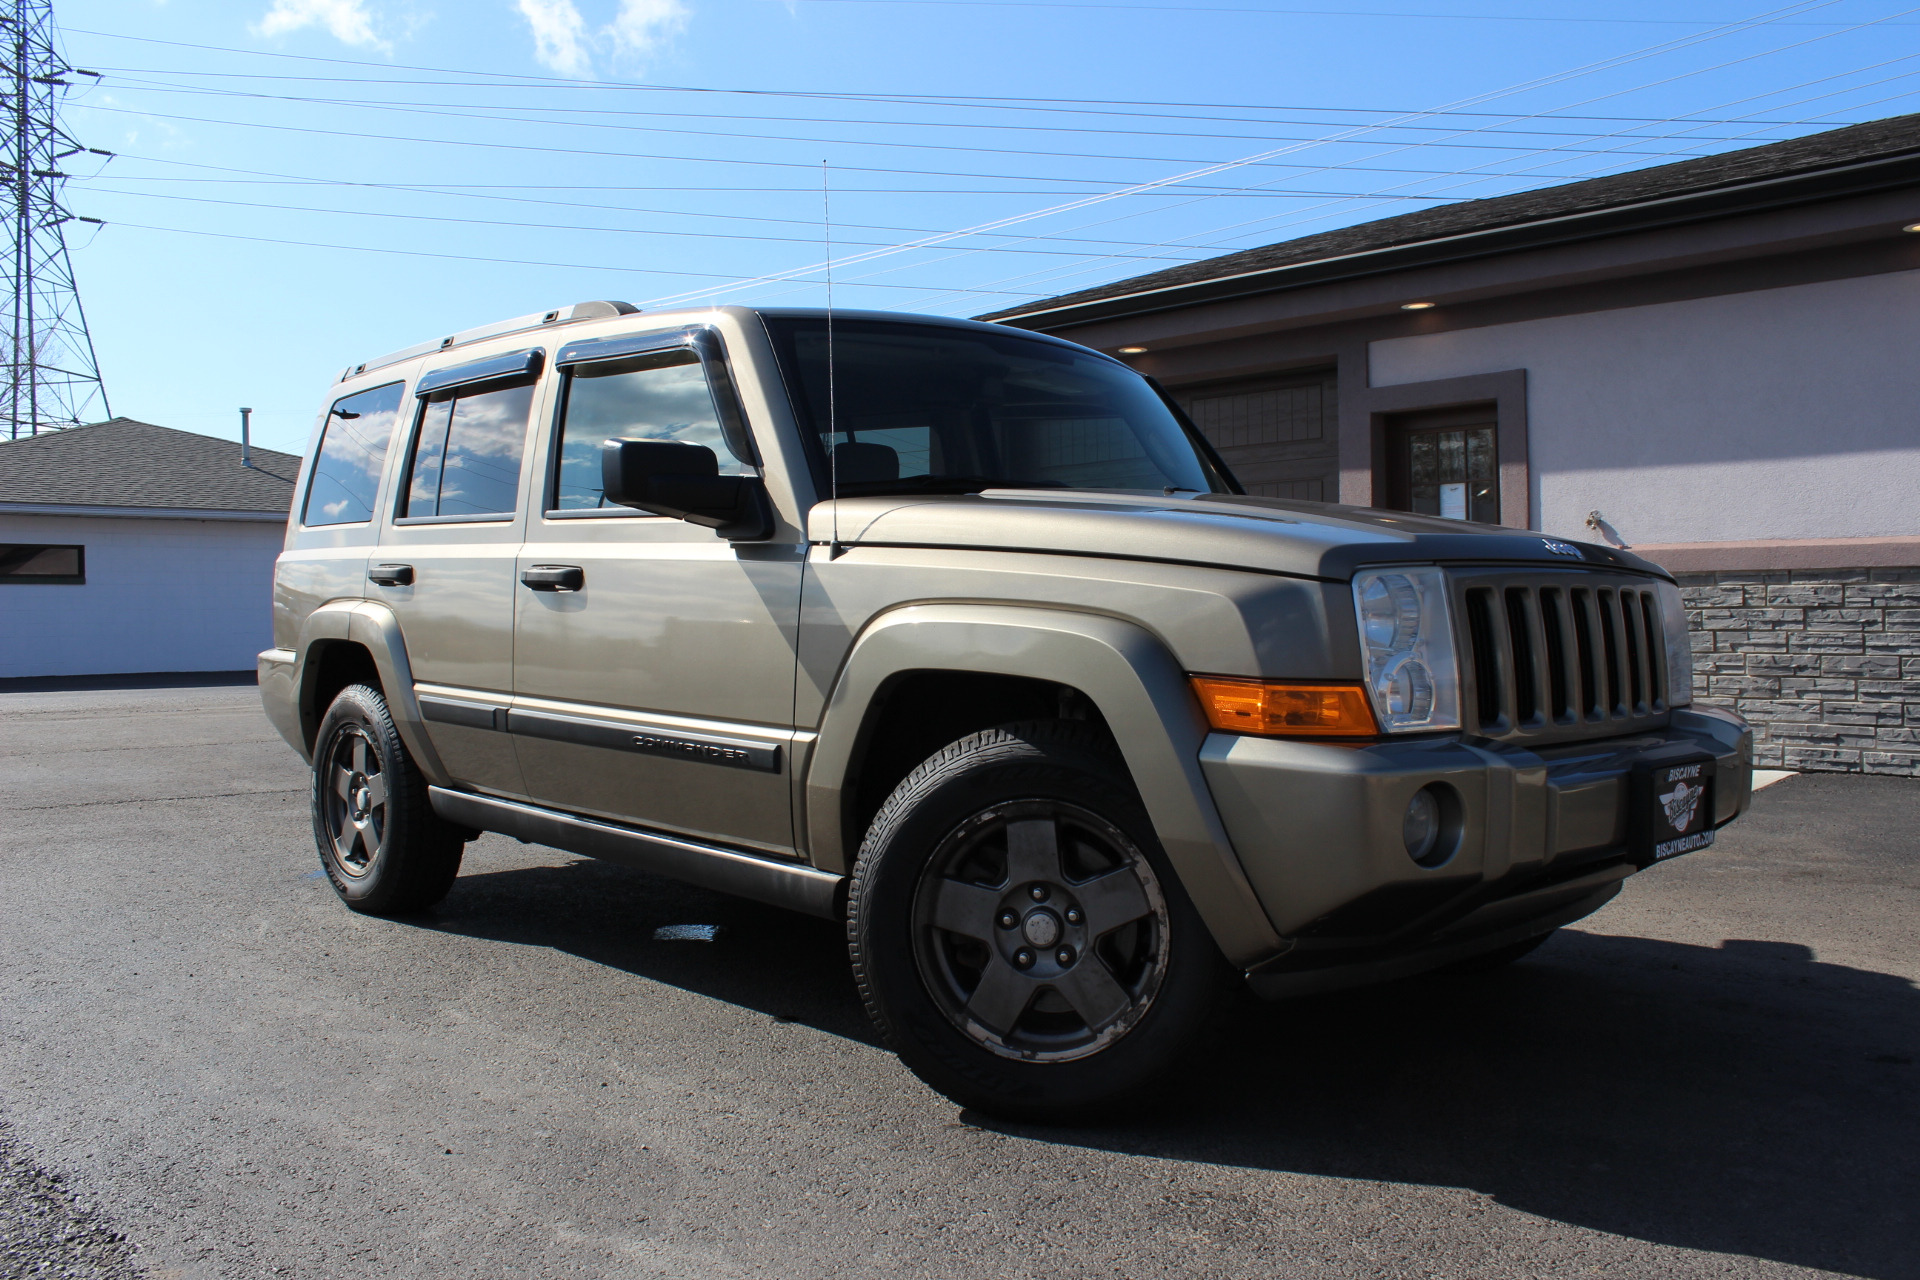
{"x": 345, "y": 20}
{"x": 643, "y": 25}
{"x": 559, "y": 35}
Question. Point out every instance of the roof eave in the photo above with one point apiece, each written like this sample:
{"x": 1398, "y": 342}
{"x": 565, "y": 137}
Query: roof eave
{"x": 1860, "y": 178}
{"x": 99, "y": 510}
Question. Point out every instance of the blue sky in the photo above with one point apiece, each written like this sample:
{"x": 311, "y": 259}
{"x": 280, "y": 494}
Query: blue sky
{"x": 303, "y": 184}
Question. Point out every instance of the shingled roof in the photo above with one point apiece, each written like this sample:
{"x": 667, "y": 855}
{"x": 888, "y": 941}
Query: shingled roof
{"x": 124, "y": 463}
{"x": 1877, "y": 139}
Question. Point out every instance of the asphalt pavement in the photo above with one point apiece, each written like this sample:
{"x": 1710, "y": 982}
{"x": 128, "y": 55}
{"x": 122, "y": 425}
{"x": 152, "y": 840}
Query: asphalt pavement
{"x": 210, "y": 1068}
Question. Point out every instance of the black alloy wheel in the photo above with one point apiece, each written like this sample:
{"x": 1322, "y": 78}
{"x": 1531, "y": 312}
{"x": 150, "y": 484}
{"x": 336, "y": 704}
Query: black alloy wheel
{"x": 353, "y": 793}
{"x": 1017, "y": 933}
{"x": 1042, "y": 930}
{"x": 383, "y": 848}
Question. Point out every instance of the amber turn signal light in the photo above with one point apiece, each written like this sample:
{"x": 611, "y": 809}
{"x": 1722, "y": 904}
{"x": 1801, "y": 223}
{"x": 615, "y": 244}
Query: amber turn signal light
{"x": 1281, "y": 709}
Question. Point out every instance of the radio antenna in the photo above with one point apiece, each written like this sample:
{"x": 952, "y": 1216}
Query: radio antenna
{"x": 833, "y": 422}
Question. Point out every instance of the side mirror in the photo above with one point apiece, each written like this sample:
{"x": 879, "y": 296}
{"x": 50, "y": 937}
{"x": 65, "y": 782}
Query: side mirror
{"x": 684, "y": 481}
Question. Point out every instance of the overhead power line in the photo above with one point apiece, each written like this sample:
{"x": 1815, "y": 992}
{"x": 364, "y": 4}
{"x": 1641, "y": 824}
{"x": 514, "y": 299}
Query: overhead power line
{"x": 507, "y": 262}
{"x": 1208, "y": 167}
{"x": 1385, "y": 197}
{"x": 617, "y": 231}
{"x": 1268, "y": 226}
{"x": 1536, "y": 83}
{"x": 1183, "y": 189}
{"x": 1318, "y": 13}
{"x": 123, "y": 76}
{"x": 285, "y": 180}
{"x": 1390, "y": 133}
{"x": 416, "y": 109}
{"x": 1389, "y": 196}
{"x": 972, "y": 101}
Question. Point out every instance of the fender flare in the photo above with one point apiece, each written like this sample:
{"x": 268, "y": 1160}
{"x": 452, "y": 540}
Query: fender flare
{"x": 373, "y": 627}
{"x": 1127, "y": 673}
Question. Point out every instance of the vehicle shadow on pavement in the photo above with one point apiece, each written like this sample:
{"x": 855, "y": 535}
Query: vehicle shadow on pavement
{"x": 783, "y": 964}
{"x": 1745, "y": 1099}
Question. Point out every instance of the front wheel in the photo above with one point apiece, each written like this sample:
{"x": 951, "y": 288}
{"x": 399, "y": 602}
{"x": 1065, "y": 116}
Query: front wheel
{"x": 381, "y": 844}
{"x": 1017, "y": 933}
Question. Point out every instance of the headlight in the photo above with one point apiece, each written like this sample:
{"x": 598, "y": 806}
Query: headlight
{"x": 1406, "y": 635}
{"x": 1673, "y": 626}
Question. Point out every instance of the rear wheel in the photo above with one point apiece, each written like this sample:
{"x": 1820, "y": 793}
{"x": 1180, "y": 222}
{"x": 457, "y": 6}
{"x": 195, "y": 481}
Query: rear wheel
{"x": 1018, "y": 936}
{"x": 382, "y": 846}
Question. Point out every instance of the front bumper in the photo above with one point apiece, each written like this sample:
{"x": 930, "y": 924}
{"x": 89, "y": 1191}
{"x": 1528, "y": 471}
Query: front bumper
{"x": 1543, "y": 840}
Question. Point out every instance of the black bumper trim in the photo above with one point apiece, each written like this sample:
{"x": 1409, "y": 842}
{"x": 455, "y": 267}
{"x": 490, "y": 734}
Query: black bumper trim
{"x": 1493, "y": 924}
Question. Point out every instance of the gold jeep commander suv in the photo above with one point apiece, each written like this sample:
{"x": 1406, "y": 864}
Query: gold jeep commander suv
{"x": 965, "y": 636}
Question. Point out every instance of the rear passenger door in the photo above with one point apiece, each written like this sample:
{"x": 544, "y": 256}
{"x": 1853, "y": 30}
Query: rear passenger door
{"x": 659, "y": 689}
{"x": 446, "y": 559}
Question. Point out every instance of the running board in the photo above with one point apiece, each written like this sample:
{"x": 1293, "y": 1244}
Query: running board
{"x": 783, "y": 884}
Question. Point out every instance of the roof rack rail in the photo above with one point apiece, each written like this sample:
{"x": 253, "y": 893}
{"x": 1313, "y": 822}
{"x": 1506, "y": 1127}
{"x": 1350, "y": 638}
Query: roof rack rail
{"x": 539, "y": 319}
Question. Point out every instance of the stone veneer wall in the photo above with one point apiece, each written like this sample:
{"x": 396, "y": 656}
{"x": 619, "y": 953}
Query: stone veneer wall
{"x": 1824, "y": 662}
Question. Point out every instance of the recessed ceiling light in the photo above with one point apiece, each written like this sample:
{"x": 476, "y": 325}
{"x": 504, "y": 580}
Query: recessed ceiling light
{"x": 1912, "y": 226}
{"x": 1417, "y": 306}
{"x": 1133, "y": 351}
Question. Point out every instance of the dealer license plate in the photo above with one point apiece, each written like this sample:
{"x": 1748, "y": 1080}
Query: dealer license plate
{"x": 1681, "y": 803}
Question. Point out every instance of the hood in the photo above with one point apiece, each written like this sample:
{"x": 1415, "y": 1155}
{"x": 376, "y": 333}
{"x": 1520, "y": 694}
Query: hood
{"x": 1266, "y": 535}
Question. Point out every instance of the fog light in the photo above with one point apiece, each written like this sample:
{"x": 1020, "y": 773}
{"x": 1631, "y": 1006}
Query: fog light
{"x": 1420, "y": 827}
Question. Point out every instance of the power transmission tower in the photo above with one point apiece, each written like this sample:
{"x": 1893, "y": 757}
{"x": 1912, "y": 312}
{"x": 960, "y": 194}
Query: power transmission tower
{"x": 51, "y": 378}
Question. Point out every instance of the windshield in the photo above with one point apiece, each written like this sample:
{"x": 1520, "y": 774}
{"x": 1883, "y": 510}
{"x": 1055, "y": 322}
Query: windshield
{"x": 930, "y": 409}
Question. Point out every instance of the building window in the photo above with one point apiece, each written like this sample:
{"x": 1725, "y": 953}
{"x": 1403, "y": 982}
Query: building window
{"x": 1445, "y": 464}
{"x": 38, "y": 562}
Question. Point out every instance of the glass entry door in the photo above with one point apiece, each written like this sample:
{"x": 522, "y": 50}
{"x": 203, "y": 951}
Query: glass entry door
{"x": 1445, "y": 464}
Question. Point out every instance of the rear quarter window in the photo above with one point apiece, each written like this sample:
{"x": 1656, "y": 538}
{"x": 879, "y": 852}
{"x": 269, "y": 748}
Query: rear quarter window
{"x": 353, "y": 448}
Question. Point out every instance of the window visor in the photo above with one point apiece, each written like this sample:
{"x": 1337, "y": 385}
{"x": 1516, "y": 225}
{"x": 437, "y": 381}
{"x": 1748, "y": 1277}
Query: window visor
{"x": 514, "y": 366}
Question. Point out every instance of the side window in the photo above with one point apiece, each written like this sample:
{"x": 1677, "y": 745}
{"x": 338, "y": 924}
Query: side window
{"x": 658, "y": 396}
{"x": 353, "y": 447}
{"x": 466, "y": 457}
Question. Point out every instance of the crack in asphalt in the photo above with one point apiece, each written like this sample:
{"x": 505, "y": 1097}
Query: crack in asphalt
{"x": 148, "y": 747}
{"x": 90, "y": 804}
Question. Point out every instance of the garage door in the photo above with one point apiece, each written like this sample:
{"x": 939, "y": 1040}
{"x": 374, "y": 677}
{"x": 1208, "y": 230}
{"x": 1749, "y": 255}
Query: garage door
{"x": 1279, "y": 434}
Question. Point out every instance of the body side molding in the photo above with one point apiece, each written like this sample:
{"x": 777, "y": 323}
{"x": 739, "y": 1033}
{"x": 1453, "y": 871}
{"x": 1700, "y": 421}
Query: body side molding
{"x": 618, "y": 735}
{"x": 792, "y": 885}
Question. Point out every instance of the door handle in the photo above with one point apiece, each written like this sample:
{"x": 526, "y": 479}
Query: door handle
{"x": 554, "y": 577}
{"x": 391, "y": 575}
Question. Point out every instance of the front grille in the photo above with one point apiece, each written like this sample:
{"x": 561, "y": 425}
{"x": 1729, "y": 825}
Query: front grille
{"x": 1558, "y": 656}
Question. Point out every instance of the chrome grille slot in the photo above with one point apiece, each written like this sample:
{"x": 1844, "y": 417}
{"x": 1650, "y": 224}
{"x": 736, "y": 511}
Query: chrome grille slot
{"x": 1610, "y": 645}
{"x": 1555, "y": 623}
{"x": 1558, "y": 656}
{"x": 1655, "y": 650}
{"x": 1526, "y": 687}
{"x": 1488, "y": 679}
{"x": 1636, "y": 662}
{"x": 1590, "y": 697}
